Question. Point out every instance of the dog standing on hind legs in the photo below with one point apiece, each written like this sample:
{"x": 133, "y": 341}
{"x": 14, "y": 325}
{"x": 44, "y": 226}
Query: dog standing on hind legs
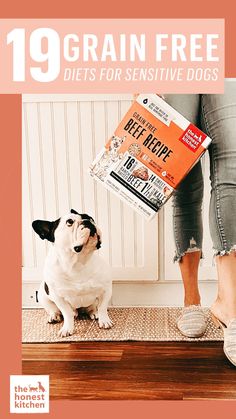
{"x": 75, "y": 275}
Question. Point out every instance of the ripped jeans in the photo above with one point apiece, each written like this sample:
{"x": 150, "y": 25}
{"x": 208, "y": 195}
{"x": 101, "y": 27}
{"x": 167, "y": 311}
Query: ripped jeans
{"x": 216, "y": 116}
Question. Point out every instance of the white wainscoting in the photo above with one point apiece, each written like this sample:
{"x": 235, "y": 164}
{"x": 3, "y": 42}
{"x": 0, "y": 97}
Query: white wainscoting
{"x": 61, "y": 136}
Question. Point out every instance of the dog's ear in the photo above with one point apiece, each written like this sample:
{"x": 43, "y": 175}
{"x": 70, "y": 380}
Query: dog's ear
{"x": 86, "y": 217}
{"x": 83, "y": 216}
{"x": 99, "y": 236}
{"x": 99, "y": 243}
{"x": 45, "y": 229}
{"x": 74, "y": 212}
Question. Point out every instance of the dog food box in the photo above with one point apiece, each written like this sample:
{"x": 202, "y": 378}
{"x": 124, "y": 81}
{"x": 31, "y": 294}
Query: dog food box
{"x": 151, "y": 151}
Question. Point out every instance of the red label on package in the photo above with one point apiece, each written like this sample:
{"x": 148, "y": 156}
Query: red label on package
{"x": 192, "y": 137}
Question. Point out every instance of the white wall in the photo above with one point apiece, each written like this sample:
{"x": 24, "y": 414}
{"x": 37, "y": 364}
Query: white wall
{"x": 61, "y": 136}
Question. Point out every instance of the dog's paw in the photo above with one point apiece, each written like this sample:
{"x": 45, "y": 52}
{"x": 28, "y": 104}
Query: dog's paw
{"x": 105, "y": 322}
{"x": 76, "y": 313}
{"x": 93, "y": 315}
{"x": 54, "y": 317}
{"x": 65, "y": 331}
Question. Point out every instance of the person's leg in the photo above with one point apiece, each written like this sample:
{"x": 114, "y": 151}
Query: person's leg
{"x": 187, "y": 224}
{"x": 189, "y": 272}
{"x": 187, "y": 208}
{"x": 219, "y": 114}
{"x": 224, "y": 308}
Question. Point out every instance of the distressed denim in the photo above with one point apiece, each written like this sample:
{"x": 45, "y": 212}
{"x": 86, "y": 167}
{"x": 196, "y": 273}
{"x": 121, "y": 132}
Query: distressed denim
{"x": 216, "y": 115}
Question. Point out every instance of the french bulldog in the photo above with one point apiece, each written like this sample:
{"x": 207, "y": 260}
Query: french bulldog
{"x": 75, "y": 275}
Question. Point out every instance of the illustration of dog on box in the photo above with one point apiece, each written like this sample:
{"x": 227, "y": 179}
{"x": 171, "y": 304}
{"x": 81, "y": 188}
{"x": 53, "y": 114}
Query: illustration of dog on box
{"x": 107, "y": 158}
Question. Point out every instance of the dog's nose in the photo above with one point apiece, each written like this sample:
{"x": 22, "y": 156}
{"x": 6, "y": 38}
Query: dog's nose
{"x": 78, "y": 249}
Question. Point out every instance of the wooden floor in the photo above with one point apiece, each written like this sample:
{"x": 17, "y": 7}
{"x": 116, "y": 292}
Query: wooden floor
{"x": 133, "y": 370}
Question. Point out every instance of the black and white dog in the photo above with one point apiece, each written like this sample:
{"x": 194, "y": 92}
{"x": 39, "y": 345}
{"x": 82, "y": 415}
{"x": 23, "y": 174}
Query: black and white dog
{"x": 75, "y": 275}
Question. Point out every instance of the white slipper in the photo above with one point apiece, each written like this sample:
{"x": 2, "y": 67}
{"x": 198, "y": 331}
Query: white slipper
{"x": 192, "y": 321}
{"x": 229, "y": 338}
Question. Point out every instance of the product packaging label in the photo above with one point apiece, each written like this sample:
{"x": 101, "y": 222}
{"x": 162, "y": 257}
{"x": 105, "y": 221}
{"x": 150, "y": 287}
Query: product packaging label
{"x": 151, "y": 151}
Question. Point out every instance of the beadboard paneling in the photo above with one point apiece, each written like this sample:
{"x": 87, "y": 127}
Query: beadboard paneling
{"x": 61, "y": 136}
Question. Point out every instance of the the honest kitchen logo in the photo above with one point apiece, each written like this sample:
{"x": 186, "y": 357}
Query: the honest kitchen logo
{"x": 29, "y": 394}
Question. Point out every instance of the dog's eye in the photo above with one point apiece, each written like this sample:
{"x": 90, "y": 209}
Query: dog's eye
{"x": 70, "y": 222}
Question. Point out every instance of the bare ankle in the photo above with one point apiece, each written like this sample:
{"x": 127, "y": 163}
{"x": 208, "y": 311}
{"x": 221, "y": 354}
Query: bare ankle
{"x": 192, "y": 301}
{"x": 224, "y": 309}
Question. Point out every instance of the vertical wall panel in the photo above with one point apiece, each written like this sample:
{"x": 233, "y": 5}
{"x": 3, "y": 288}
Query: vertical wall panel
{"x": 115, "y": 205}
{"x": 129, "y": 228}
{"x": 28, "y": 245}
{"x": 49, "y": 174}
{"x": 61, "y": 156}
{"x": 86, "y": 141}
{"x": 36, "y": 181}
{"x": 75, "y": 161}
{"x": 103, "y": 213}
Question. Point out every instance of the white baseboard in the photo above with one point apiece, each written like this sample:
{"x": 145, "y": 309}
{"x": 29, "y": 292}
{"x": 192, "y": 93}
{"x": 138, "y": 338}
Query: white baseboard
{"x": 137, "y": 293}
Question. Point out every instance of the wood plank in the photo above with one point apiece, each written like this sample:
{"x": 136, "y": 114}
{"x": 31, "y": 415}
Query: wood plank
{"x": 143, "y": 371}
{"x": 67, "y": 352}
{"x": 209, "y": 395}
